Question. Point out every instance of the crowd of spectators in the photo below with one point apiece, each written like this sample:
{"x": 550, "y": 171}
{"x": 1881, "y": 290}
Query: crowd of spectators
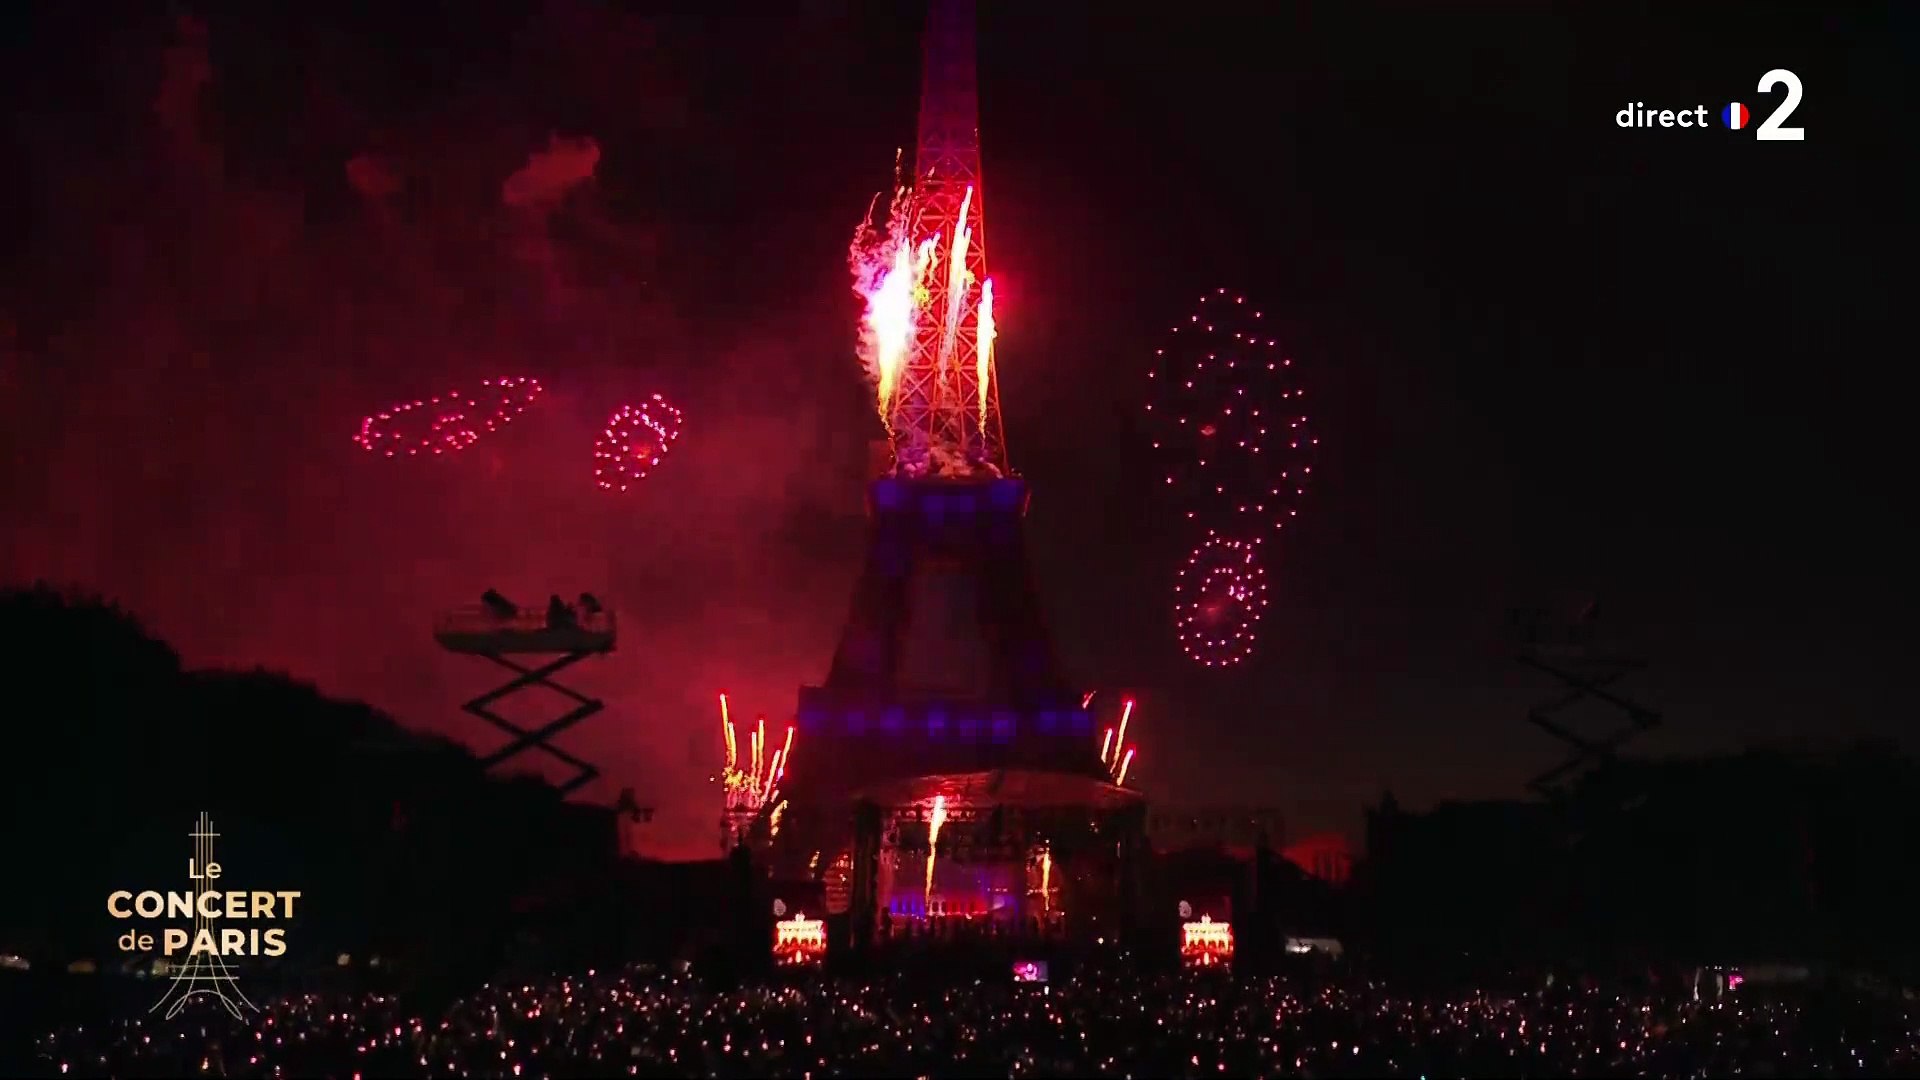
{"x": 646, "y": 1022}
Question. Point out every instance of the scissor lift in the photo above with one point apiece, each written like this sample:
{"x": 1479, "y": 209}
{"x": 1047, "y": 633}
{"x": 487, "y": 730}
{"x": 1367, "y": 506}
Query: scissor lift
{"x": 516, "y": 642}
{"x": 1566, "y": 653}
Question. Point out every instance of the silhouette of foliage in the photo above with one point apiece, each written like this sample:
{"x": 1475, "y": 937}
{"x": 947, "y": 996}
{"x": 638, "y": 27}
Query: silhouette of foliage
{"x": 401, "y": 844}
{"x": 1768, "y": 854}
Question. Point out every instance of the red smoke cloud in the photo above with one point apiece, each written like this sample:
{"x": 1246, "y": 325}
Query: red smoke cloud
{"x": 208, "y": 331}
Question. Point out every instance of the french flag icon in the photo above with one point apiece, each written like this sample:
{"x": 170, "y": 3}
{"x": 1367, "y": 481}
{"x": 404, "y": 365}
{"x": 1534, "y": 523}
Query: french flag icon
{"x": 1735, "y": 116}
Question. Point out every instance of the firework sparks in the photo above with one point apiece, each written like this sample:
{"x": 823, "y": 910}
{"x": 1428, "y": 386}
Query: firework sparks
{"x": 958, "y": 282}
{"x": 1115, "y": 754}
{"x": 755, "y": 788}
{"x": 891, "y": 267}
{"x": 934, "y": 821}
{"x": 983, "y": 349}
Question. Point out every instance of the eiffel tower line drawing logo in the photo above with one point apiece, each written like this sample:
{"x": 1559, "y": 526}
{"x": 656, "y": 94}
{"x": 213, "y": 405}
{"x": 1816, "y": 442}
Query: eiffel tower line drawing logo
{"x": 204, "y": 974}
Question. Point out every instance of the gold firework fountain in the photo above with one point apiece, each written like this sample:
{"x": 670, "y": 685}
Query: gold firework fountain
{"x": 751, "y": 785}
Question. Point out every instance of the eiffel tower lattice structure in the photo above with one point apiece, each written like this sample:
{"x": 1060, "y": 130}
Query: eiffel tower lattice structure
{"x": 205, "y": 974}
{"x": 945, "y": 722}
{"x": 1565, "y": 651}
{"x": 944, "y": 417}
{"x": 509, "y": 636}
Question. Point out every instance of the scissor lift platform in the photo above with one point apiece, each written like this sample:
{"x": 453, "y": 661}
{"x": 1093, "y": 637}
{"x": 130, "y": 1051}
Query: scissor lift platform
{"x": 515, "y": 642}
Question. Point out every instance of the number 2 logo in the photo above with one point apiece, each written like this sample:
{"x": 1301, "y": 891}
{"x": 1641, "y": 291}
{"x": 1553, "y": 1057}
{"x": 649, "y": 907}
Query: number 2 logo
{"x": 1771, "y": 130}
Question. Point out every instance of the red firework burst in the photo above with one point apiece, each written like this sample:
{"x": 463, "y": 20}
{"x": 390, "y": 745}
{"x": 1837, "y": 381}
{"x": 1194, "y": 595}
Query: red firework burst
{"x": 446, "y": 423}
{"x": 1228, "y": 417}
{"x": 637, "y": 437}
{"x": 1217, "y": 600}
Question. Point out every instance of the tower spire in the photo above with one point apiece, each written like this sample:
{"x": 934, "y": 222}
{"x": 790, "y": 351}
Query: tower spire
{"x": 946, "y": 413}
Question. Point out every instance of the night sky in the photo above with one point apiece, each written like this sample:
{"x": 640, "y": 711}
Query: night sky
{"x": 1553, "y": 361}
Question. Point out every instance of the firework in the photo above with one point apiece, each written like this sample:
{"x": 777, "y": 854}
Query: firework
{"x": 891, "y": 264}
{"x": 756, "y": 787}
{"x": 1228, "y": 417}
{"x": 1218, "y": 597}
{"x": 636, "y": 438}
{"x": 1115, "y": 754}
{"x": 446, "y": 423}
{"x": 957, "y": 282}
{"x": 934, "y": 820}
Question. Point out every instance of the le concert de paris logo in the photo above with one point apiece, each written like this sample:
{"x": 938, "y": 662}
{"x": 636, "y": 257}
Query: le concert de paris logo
{"x": 203, "y": 926}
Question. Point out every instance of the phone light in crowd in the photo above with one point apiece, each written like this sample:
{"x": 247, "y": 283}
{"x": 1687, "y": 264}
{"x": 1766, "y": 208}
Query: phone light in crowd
{"x": 1030, "y": 971}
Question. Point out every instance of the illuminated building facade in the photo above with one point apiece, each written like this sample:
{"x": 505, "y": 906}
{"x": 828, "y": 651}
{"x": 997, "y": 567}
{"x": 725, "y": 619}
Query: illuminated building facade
{"x": 799, "y": 941}
{"x": 1205, "y": 943}
{"x": 1327, "y": 856}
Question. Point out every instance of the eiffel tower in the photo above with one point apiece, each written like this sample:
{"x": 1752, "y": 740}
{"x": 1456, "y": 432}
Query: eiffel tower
{"x": 944, "y": 694}
{"x": 204, "y": 974}
{"x": 1565, "y": 651}
{"x": 945, "y": 664}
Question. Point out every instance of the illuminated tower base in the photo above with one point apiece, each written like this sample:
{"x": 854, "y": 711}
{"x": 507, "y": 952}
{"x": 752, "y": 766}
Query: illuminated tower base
{"x": 945, "y": 664}
{"x": 945, "y": 687}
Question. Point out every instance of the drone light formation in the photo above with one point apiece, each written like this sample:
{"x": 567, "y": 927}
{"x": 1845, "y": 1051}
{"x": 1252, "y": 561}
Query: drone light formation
{"x": 1218, "y": 597}
{"x": 1229, "y": 419}
{"x": 446, "y": 423}
{"x": 888, "y": 270}
{"x": 635, "y": 440}
{"x": 934, "y": 820}
{"x": 892, "y": 264}
{"x": 1231, "y": 432}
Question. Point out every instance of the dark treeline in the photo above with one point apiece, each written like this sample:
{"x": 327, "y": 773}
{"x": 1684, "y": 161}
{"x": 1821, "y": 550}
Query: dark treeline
{"x": 402, "y": 846}
{"x": 406, "y": 849}
{"x": 1810, "y": 858}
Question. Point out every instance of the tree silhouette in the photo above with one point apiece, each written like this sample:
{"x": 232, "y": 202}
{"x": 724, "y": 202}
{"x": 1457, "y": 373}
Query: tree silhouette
{"x": 402, "y": 844}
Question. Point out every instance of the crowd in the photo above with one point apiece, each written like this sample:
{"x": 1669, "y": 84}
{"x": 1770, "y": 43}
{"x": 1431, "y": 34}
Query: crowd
{"x": 640, "y": 1022}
